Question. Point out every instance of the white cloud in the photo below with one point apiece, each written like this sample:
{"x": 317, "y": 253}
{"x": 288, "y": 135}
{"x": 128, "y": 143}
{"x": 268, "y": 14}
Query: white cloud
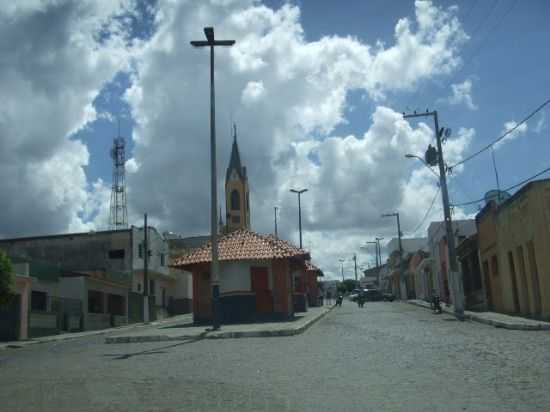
{"x": 521, "y": 130}
{"x": 280, "y": 88}
{"x": 253, "y": 92}
{"x": 351, "y": 179}
{"x": 541, "y": 123}
{"x": 48, "y": 82}
{"x": 462, "y": 94}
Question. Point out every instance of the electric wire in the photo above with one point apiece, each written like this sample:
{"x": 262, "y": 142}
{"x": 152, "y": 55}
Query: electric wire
{"x": 502, "y": 136}
{"x": 506, "y": 189}
{"x": 428, "y": 211}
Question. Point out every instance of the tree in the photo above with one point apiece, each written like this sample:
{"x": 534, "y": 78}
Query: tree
{"x": 6, "y": 278}
{"x": 350, "y": 284}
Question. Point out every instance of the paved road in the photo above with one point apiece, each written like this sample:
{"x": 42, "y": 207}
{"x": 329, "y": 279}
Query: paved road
{"x": 387, "y": 356}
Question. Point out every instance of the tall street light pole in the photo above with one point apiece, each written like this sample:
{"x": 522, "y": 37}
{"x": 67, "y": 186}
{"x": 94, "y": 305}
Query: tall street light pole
{"x": 379, "y": 251}
{"x": 212, "y": 42}
{"x": 145, "y": 249}
{"x": 275, "y": 208}
{"x": 342, "y": 268}
{"x": 355, "y": 263}
{"x": 299, "y": 192}
{"x": 456, "y": 276}
{"x": 375, "y": 243}
{"x": 402, "y": 284}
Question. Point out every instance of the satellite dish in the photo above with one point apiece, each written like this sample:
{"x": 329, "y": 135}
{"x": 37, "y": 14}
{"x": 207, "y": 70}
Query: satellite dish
{"x": 497, "y": 196}
{"x": 448, "y": 132}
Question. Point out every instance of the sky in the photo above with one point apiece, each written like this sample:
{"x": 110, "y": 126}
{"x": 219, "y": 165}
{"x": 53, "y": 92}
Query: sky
{"x": 316, "y": 88}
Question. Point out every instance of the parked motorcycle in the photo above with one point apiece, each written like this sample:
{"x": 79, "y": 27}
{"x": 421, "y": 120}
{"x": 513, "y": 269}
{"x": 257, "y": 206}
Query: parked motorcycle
{"x": 435, "y": 304}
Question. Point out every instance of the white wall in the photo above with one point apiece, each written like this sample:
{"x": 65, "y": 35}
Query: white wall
{"x": 157, "y": 245}
{"x": 236, "y": 275}
{"x": 184, "y": 284}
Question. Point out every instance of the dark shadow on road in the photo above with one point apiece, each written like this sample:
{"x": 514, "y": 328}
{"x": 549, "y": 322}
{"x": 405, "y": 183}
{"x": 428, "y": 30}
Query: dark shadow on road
{"x": 295, "y": 318}
{"x": 153, "y": 351}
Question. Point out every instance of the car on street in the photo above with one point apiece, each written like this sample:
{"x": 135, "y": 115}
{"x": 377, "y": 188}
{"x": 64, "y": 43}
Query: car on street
{"x": 375, "y": 295}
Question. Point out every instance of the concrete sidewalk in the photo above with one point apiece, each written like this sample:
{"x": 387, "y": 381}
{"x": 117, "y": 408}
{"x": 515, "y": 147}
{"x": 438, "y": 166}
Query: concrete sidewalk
{"x": 75, "y": 335}
{"x": 188, "y": 331}
{"x": 498, "y": 320}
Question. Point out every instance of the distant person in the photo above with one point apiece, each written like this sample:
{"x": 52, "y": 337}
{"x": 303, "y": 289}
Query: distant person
{"x": 361, "y": 298}
{"x": 339, "y": 300}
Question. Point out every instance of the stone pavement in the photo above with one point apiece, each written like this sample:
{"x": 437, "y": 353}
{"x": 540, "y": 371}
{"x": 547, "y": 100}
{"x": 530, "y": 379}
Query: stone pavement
{"x": 186, "y": 331}
{"x": 74, "y": 335}
{"x": 383, "y": 357}
{"x": 498, "y": 320}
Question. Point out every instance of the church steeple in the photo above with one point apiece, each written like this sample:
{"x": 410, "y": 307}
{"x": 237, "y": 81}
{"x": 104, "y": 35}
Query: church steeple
{"x": 235, "y": 159}
{"x": 236, "y": 190}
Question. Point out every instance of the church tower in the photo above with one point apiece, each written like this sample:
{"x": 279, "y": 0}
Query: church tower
{"x": 237, "y": 202}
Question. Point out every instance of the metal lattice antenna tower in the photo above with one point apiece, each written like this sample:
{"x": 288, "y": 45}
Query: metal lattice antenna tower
{"x": 118, "y": 218}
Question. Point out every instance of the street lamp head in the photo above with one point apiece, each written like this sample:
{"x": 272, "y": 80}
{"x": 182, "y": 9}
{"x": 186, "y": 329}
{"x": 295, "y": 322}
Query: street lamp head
{"x": 298, "y": 191}
{"x": 209, "y": 33}
{"x": 410, "y": 156}
{"x": 389, "y": 214}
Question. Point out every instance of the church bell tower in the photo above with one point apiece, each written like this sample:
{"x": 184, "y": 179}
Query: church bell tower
{"x": 237, "y": 202}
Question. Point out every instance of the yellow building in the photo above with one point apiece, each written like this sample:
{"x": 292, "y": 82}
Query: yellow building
{"x": 513, "y": 244}
{"x": 237, "y": 198}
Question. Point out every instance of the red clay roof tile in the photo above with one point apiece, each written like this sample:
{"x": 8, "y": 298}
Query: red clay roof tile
{"x": 242, "y": 244}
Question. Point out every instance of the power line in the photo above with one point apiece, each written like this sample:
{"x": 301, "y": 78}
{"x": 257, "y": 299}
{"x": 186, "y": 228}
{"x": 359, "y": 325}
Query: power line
{"x": 485, "y": 18}
{"x": 481, "y": 43}
{"x": 506, "y": 189}
{"x": 428, "y": 211}
{"x": 502, "y": 136}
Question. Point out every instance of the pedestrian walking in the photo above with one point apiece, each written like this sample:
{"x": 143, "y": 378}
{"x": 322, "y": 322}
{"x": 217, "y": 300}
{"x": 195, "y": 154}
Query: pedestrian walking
{"x": 361, "y": 298}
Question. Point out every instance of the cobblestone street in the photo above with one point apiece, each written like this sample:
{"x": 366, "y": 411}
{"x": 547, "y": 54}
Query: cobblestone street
{"x": 387, "y": 356}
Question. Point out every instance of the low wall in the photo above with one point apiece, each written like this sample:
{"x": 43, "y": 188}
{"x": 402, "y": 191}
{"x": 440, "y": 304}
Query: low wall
{"x": 238, "y": 307}
{"x": 119, "y": 320}
{"x": 96, "y": 321}
{"x": 43, "y": 324}
{"x": 300, "y": 302}
{"x": 179, "y": 306}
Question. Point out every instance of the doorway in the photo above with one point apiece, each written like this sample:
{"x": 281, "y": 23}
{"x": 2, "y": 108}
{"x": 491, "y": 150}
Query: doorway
{"x": 259, "y": 280}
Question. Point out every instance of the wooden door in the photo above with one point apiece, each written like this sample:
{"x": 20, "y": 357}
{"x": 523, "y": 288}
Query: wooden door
{"x": 259, "y": 280}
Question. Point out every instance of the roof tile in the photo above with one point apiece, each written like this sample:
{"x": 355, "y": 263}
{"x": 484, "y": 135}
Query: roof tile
{"x": 242, "y": 244}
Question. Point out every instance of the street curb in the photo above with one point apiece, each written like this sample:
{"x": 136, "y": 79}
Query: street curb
{"x": 491, "y": 322}
{"x": 76, "y": 335}
{"x": 220, "y": 335}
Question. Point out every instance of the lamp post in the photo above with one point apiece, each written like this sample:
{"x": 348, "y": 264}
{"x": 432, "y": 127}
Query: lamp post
{"x": 342, "y": 268}
{"x": 378, "y": 239}
{"x": 378, "y": 256}
{"x": 436, "y": 155}
{"x": 402, "y": 285}
{"x": 411, "y": 156}
{"x": 145, "y": 249}
{"x": 214, "y": 268}
{"x": 299, "y": 192}
{"x": 275, "y": 209}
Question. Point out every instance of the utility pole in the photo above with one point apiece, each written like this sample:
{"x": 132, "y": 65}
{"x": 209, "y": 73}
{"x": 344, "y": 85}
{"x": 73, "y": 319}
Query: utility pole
{"x": 379, "y": 252}
{"x": 456, "y": 276}
{"x": 275, "y": 210}
{"x": 145, "y": 270}
{"x": 402, "y": 284}
{"x": 214, "y": 268}
{"x": 377, "y": 256}
{"x": 299, "y": 193}
{"x": 355, "y": 264}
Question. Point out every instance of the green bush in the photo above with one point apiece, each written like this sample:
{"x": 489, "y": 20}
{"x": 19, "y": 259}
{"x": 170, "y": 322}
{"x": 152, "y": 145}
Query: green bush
{"x": 6, "y": 279}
